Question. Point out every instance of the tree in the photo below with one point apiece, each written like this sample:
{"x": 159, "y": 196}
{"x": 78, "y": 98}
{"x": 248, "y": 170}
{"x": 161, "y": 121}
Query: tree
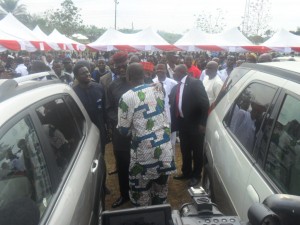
{"x": 211, "y": 22}
{"x": 42, "y": 22}
{"x": 297, "y": 32}
{"x": 12, "y": 6}
{"x": 66, "y": 19}
{"x": 92, "y": 32}
{"x": 169, "y": 37}
{"x": 257, "y": 17}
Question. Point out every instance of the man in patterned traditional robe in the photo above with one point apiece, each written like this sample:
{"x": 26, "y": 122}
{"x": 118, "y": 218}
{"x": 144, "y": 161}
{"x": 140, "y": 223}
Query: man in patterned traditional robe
{"x": 142, "y": 115}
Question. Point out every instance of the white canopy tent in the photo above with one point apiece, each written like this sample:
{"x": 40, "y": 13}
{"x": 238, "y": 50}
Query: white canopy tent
{"x": 42, "y": 36}
{"x": 145, "y": 40}
{"x": 229, "y": 40}
{"x": 65, "y": 43}
{"x": 149, "y": 40}
{"x": 283, "y": 41}
{"x": 111, "y": 40}
{"x": 233, "y": 40}
{"x": 13, "y": 27}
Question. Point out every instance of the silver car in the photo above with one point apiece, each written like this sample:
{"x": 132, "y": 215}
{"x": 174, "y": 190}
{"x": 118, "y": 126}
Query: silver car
{"x": 52, "y": 170}
{"x": 252, "y": 143}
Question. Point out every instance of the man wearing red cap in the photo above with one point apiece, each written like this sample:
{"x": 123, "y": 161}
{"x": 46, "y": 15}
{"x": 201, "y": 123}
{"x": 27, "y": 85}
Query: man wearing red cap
{"x": 148, "y": 71}
{"x": 121, "y": 144}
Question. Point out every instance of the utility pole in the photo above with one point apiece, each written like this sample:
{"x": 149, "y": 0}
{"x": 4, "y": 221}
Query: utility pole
{"x": 116, "y": 3}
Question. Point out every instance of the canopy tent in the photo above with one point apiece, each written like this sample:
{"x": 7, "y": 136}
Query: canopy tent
{"x": 42, "y": 36}
{"x": 190, "y": 39}
{"x": 230, "y": 40}
{"x": 112, "y": 40}
{"x": 8, "y": 42}
{"x": 145, "y": 40}
{"x": 233, "y": 40}
{"x": 283, "y": 41}
{"x": 65, "y": 43}
{"x": 13, "y": 27}
{"x": 150, "y": 40}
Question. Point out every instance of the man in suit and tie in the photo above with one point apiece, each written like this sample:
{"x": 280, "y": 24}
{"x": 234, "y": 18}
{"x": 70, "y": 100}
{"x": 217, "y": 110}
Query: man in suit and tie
{"x": 189, "y": 111}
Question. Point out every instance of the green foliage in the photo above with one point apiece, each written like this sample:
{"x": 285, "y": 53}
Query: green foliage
{"x": 128, "y": 31}
{"x": 65, "y": 19}
{"x": 256, "y": 18}
{"x": 12, "y": 6}
{"x": 169, "y": 37}
{"x": 92, "y": 32}
{"x": 297, "y": 32}
{"x": 211, "y": 22}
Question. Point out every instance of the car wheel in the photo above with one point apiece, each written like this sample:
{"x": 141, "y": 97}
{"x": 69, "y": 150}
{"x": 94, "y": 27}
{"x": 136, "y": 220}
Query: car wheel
{"x": 207, "y": 183}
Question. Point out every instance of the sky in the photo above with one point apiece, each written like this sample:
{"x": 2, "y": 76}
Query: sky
{"x": 175, "y": 16}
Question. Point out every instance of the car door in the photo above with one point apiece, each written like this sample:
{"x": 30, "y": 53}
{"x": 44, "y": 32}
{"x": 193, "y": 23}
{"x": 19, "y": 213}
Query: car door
{"x": 74, "y": 141}
{"x": 278, "y": 153}
{"x": 237, "y": 137}
{"x": 25, "y": 182}
{"x": 227, "y": 157}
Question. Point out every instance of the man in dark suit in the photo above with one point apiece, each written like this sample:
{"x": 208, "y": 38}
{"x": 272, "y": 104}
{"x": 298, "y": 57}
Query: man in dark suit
{"x": 189, "y": 111}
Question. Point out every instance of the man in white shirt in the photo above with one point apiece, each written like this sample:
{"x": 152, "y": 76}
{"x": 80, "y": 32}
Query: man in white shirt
{"x": 229, "y": 67}
{"x": 168, "y": 84}
{"x": 21, "y": 69}
{"x": 212, "y": 83}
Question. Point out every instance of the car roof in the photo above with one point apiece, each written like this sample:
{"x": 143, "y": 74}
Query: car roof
{"x": 289, "y": 70}
{"x": 286, "y": 65}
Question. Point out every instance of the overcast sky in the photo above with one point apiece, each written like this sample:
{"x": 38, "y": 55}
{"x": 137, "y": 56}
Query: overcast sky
{"x": 175, "y": 16}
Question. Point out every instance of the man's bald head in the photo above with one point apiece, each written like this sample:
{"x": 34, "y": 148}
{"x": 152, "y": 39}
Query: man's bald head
{"x": 180, "y": 71}
{"x": 211, "y": 69}
{"x": 265, "y": 58}
{"x": 188, "y": 60}
{"x": 135, "y": 73}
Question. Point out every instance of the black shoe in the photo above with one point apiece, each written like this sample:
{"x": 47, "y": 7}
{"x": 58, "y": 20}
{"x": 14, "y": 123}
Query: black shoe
{"x": 181, "y": 177}
{"x": 194, "y": 181}
{"x": 120, "y": 201}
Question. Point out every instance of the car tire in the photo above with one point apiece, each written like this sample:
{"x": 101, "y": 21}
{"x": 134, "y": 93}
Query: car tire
{"x": 207, "y": 183}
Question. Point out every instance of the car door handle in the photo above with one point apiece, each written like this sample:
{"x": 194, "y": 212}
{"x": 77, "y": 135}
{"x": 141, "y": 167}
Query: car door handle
{"x": 217, "y": 136}
{"x": 94, "y": 166}
{"x": 252, "y": 194}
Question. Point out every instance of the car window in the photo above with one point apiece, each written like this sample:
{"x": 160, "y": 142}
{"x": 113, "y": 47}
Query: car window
{"x": 233, "y": 78}
{"x": 246, "y": 114}
{"x": 23, "y": 170}
{"x": 77, "y": 114}
{"x": 283, "y": 159}
{"x": 61, "y": 130}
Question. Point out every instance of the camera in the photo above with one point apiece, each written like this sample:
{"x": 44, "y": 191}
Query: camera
{"x": 277, "y": 209}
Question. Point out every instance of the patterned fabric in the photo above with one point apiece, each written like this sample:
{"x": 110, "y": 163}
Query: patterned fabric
{"x": 149, "y": 192}
{"x": 142, "y": 114}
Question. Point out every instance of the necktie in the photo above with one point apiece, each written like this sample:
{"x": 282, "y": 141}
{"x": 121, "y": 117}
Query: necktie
{"x": 177, "y": 99}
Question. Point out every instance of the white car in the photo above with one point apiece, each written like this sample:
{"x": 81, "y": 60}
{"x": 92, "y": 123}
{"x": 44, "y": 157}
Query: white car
{"x": 52, "y": 169}
{"x": 252, "y": 142}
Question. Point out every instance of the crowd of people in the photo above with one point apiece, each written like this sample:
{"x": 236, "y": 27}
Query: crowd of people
{"x": 143, "y": 103}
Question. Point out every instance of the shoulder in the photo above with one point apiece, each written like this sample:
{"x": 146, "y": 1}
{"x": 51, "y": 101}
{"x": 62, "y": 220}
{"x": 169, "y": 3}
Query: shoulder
{"x": 95, "y": 86}
{"x": 171, "y": 81}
